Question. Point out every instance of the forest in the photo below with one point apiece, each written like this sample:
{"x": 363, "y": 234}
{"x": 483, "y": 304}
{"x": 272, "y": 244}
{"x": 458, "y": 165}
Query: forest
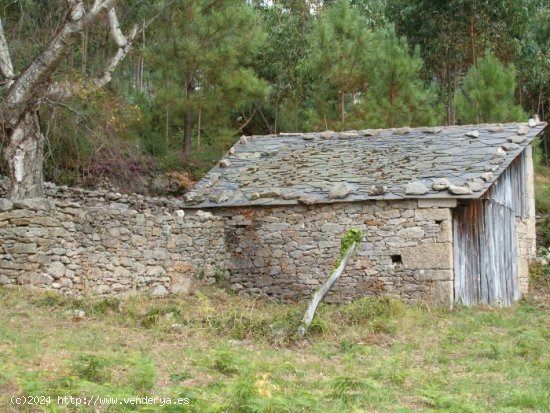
{"x": 195, "y": 75}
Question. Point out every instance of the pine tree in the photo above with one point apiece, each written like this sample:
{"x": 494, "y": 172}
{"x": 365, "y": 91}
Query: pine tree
{"x": 202, "y": 56}
{"x": 396, "y": 94}
{"x": 287, "y": 24}
{"x": 487, "y": 93}
{"x": 335, "y": 68}
{"x": 453, "y": 34}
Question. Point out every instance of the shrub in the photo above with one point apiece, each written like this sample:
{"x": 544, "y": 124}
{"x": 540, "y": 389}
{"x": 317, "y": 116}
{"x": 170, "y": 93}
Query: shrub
{"x": 91, "y": 368}
{"x": 487, "y": 93}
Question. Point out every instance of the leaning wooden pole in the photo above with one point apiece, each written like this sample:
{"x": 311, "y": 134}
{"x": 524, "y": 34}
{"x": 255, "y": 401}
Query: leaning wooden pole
{"x": 320, "y": 294}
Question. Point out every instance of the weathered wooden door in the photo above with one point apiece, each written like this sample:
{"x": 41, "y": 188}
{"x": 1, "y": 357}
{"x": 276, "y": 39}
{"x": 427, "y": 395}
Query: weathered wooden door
{"x": 485, "y": 254}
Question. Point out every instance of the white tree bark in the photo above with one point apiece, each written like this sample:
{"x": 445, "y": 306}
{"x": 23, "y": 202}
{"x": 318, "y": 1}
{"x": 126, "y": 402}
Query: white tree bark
{"x": 24, "y": 155}
{"x": 23, "y": 149}
{"x": 124, "y": 46}
{"x": 65, "y": 90}
{"x": 117, "y": 34}
{"x": 28, "y": 86}
{"x": 6, "y": 66}
{"x": 320, "y": 294}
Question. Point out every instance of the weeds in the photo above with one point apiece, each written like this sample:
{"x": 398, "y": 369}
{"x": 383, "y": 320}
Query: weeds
{"x": 232, "y": 354}
{"x": 92, "y": 368}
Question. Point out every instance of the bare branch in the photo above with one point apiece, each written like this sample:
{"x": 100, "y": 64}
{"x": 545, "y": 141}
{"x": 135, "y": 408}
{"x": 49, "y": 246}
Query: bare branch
{"x": 60, "y": 91}
{"x": 119, "y": 38}
{"x": 123, "y": 50}
{"x": 97, "y": 3}
{"x": 6, "y": 66}
{"x": 26, "y": 87}
{"x": 76, "y": 9}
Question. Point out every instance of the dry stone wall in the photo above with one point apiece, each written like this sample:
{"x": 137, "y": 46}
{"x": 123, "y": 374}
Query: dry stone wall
{"x": 90, "y": 242}
{"x": 288, "y": 252}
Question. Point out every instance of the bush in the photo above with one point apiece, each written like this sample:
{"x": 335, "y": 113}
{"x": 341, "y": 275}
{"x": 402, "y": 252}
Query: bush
{"x": 539, "y": 272}
{"x": 367, "y": 309}
{"x": 92, "y": 368}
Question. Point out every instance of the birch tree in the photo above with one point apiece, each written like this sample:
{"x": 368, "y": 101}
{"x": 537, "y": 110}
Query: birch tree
{"x": 24, "y": 92}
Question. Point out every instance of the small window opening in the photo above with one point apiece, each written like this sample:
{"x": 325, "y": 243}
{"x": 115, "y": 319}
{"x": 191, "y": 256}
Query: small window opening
{"x": 396, "y": 259}
{"x": 439, "y": 221}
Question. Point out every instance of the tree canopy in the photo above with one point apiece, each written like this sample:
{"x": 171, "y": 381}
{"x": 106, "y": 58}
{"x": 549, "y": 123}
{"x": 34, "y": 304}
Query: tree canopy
{"x": 200, "y": 73}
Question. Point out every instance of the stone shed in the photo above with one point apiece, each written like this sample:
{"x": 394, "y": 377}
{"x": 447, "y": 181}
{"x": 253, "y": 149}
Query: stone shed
{"x": 447, "y": 212}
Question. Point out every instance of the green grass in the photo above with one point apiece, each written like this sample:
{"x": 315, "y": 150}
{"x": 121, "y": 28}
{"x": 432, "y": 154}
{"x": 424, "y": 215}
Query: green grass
{"x": 231, "y": 354}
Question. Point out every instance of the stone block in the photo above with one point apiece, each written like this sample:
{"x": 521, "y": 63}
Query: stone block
{"x": 403, "y": 204}
{"x": 159, "y": 291}
{"x": 432, "y": 214}
{"x": 332, "y": 228}
{"x": 16, "y": 214}
{"x": 445, "y": 231}
{"x": 111, "y": 243}
{"x": 35, "y": 204}
{"x": 121, "y": 273}
{"x": 11, "y": 265}
{"x": 5, "y": 204}
{"x": 363, "y": 263}
{"x": 102, "y": 289}
{"x": 21, "y": 249}
{"x": 46, "y": 221}
{"x": 411, "y": 233}
{"x": 276, "y": 227}
{"x": 437, "y": 203}
{"x": 442, "y": 294}
{"x": 389, "y": 214}
{"x": 433, "y": 256}
{"x": 278, "y": 253}
{"x": 36, "y": 279}
{"x": 180, "y": 284}
{"x": 183, "y": 267}
{"x": 434, "y": 275}
{"x": 56, "y": 270}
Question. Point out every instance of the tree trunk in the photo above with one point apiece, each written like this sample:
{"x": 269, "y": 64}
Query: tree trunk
{"x": 473, "y": 38}
{"x": 187, "y": 131}
{"x": 342, "y": 107}
{"x": 24, "y": 154}
{"x": 84, "y": 51}
{"x": 19, "y": 122}
{"x": 199, "y": 130}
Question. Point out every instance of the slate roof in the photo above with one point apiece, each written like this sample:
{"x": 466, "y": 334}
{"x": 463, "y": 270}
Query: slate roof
{"x": 369, "y": 164}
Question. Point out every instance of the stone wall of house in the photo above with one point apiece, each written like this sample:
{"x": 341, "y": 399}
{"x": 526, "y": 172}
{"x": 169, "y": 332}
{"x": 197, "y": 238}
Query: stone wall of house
{"x": 92, "y": 242}
{"x": 288, "y": 252}
{"x": 80, "y": 242}
{"x": 525, "y": 227}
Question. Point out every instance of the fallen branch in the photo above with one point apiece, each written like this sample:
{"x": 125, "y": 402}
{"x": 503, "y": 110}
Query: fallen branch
{"x": 320, "y": 294}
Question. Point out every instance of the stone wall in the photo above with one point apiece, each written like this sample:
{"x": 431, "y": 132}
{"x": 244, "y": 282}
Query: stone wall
{"x": 91, "y": 242}
{"x": 288, "y": 252}
{"x": 81, "y": 242}
{"x": 525, "y": 227}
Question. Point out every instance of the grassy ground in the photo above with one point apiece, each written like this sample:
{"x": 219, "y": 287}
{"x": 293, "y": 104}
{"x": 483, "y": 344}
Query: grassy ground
{"x": 229, "y": 354}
